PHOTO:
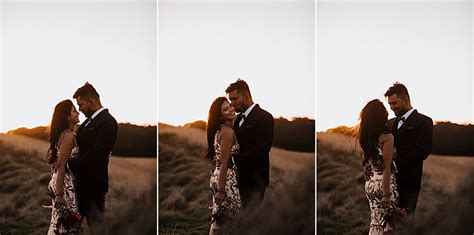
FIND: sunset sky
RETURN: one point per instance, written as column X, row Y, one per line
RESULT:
column 206, row 45
column 50, row 48
column 363, row 47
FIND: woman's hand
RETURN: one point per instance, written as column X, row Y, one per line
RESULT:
column 220, row 195
column 58, row 201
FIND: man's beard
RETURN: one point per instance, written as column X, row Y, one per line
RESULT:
column 241, row 109
column 402, row 112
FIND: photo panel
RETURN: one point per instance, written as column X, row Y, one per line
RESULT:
column 236, row 95
column 395, row 116
column 78, row 126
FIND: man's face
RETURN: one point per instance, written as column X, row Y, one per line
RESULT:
column 398, row 104
column 238, row 101
column 85, row 106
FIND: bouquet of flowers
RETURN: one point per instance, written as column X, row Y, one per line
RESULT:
column 68, row 220
column 395, row 217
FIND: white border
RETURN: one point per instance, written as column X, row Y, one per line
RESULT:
column 157, row 116
column 472, row 62
column 315, row 116
column 1, row 65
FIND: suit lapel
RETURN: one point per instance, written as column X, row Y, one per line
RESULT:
column 251, row 115
column 97, row 118
column 409, row 121
column 80, row 130
column 236, row 123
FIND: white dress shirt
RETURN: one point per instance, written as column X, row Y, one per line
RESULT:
column 246, row 114
column 95, row 115
column 405, row 117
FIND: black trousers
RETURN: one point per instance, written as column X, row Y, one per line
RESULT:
column 251, row 195
column 408, row 198
column 92, row 206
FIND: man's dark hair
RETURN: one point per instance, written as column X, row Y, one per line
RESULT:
column 399, row 89
column 87, row 91
column 240, row 85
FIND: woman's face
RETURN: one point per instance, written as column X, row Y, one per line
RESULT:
column 73, row 116
column 228, row 111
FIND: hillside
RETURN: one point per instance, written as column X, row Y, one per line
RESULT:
column 446, row 195
column 184, row 195
column 24, row 173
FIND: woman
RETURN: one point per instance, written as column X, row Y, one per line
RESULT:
column 65, row 217
column 378, row 149
column 222, row 147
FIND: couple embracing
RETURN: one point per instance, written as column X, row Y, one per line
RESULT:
column 79, row 157
column 393, row 154
column 238, row 149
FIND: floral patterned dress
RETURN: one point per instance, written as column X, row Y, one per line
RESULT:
column 231, row 204
column 66, row 219
column 380, row 216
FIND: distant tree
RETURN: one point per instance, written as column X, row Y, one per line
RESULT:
column 37, row 132
column 297, row 134
column 453, row 139
column 200, row 124
column 343, row 130
column 136, row 141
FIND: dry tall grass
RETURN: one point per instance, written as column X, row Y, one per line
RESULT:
column 446, row 193
column 24, row 173
column 184, row 193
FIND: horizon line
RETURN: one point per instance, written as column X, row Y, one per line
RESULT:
column 292, row 118
column 466, row 123
column 126, row 122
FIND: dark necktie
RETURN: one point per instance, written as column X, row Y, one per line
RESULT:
column 398, row 121
column 240, row 118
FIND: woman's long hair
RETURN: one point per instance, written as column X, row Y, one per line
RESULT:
column 373, row 119
column 59, row 123
column 214, row 122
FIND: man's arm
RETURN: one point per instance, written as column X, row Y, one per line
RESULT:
column 256, row 156
column 104, row 143
column 423, row 142
column 263, row 138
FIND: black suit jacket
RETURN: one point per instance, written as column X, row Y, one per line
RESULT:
column 95, row 141
column 255, row 138
column 413, row 143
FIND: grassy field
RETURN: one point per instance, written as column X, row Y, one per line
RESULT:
column 184, row 193
column 445, row 204
column 24, row 175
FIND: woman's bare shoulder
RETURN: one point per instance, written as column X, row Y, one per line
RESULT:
column 386, row 137
column 226, row 129
column 67, row 137
column 226, row 132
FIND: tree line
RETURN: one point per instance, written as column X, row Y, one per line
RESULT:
column 448, row 138
column 132, row 140
column 295, row 135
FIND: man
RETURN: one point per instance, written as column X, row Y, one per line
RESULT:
column 96, row 138
column 413, row 134
column 254, row 130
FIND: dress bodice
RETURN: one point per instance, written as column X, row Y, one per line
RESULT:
column 74, row 154
column 375, row 164
column 234, row 150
